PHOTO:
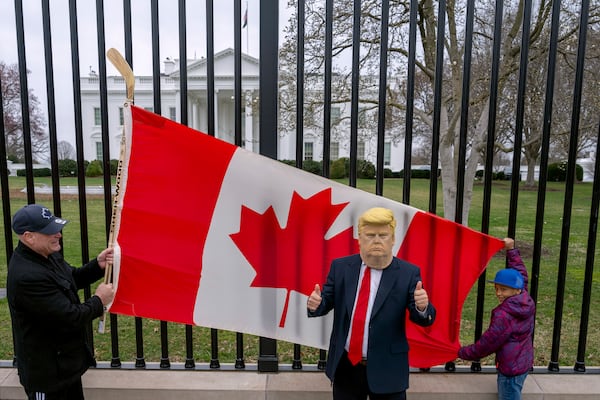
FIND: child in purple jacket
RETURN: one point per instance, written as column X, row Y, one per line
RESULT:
column 510, row 334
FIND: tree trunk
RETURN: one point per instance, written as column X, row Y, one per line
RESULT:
column 530, row 182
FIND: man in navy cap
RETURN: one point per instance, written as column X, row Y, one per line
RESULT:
column 49, row 320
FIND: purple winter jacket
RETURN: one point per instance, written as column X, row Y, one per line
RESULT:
column 511, row 328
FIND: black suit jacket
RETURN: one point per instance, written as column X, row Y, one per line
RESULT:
column 49, row 320
column 387, row 357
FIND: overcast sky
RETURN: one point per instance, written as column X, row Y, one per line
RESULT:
column 113, row 25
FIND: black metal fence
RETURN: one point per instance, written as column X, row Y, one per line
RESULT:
column 416, row 13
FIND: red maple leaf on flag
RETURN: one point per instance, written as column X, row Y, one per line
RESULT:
column 297, row 256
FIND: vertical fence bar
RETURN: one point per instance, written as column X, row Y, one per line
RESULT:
column 164, row 341
column 519, row 118
column 354, row 90
column 140, row 362
column 189, row 348
column 297, row 361
column 544, row 154
column 156, row 56
column 566, row 221
column 382, row 106
column 127, row 32
column 410, row 100
column 589, row 265
column 327, row 82
column 6, row 214
column 214, row 349
column 300, row 91
column 104, row 114
column 164, row 346
column 464, row 112
column 114, row 324
column 50, row 95
column 79, row 132
column 268, row 70
column 210, row 101
column 239, row 349
column 210, row 67
column 237, row 74
column 79, row 143
column 327, row 76
column 183, row 88
column 26, row 125
column 464, row 118
column 489, row 158
column 437, row 106
column 183, row 72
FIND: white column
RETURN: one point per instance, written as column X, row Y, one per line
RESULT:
column 249, row 140
column 217, row 113
column 178, row 105
column 195, row 122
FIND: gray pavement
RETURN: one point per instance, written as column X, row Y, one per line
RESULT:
column 150, row 384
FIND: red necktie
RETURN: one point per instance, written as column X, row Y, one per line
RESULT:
column 360, row 316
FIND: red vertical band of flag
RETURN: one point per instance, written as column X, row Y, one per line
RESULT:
column 165, row 214
column 451, row 258
column 210, row 234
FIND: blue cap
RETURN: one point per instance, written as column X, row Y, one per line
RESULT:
column 509, row 277
column 37, row 218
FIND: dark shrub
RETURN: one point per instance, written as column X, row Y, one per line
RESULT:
column 557, row 172
column 36, row 172
column 338, row 169
column 114, row 165
column 365, row 169
column 67, row 167
column 312, row 166
column 94, row 168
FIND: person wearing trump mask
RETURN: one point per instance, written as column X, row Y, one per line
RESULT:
column 370, row 294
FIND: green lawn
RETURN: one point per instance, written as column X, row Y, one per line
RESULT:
column 392, row 189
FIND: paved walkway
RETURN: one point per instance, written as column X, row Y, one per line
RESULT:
column 181, row 384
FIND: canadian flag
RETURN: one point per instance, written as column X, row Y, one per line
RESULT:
column 213, row 235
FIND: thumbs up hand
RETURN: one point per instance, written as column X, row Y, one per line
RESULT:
column 421, row 298
column 315, row 298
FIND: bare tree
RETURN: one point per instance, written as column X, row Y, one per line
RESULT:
column 590, row 102
column 65, row 150
column 13, row 127
column 425, row 64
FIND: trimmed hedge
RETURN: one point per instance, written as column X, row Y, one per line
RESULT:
column 37, row 172
column 418, row 173
column 339, row 168
column 67, row 167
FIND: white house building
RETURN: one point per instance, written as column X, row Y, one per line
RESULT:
column 224, row 111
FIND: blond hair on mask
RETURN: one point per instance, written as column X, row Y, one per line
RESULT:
column 377, row 216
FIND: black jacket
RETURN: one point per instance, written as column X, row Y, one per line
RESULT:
column 49, row 321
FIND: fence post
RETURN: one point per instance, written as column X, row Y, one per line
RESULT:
column 269, row 62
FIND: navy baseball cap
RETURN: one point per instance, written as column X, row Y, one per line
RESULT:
column 509, row 277
column 37, row 218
